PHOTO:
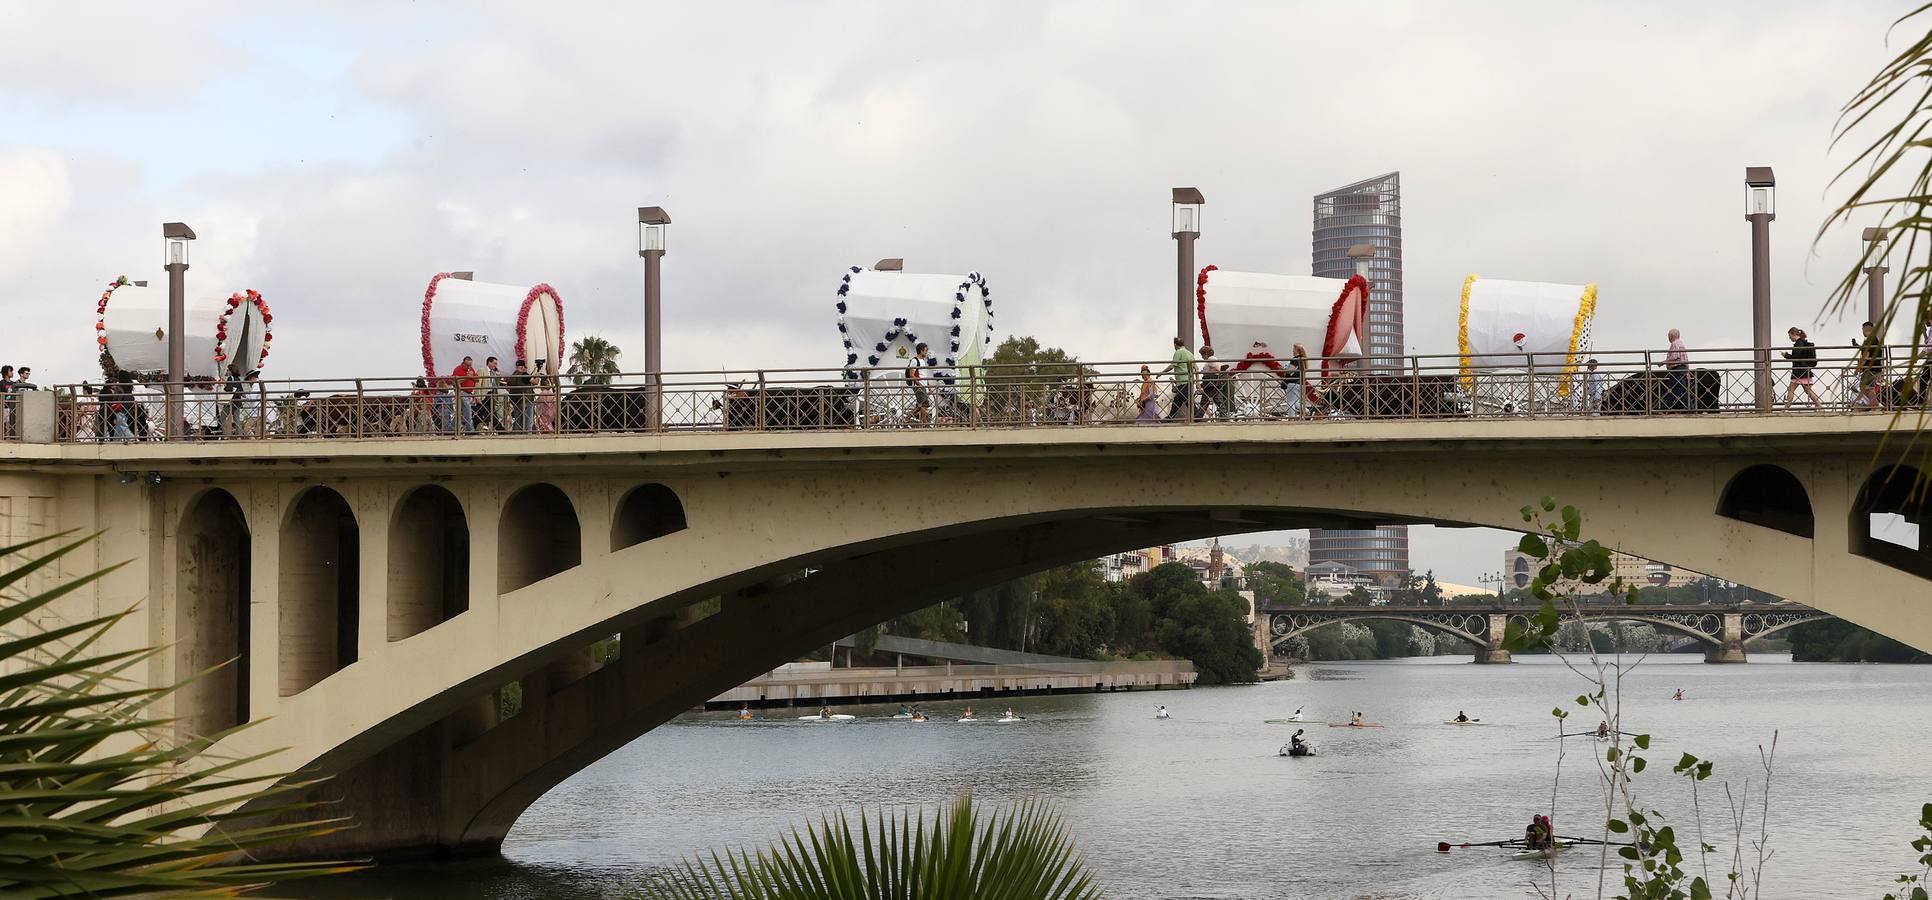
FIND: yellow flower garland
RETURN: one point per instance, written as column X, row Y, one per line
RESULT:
column 1462, row 334
column 1586, row 310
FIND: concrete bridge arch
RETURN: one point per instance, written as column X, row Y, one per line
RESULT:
column 886, row 522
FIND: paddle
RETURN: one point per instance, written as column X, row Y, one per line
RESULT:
column 1444, row 846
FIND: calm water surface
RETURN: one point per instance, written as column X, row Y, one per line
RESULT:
column 1200, row 806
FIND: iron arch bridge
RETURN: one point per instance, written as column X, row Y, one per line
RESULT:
column 1483, row 626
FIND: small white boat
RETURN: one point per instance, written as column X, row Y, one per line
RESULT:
column 1006, row 719
column 1463, row 722
column 902, row 715
column 835, row 717
column 967, row 720
column 1549, row 852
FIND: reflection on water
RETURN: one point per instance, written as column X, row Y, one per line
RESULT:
column 1200, row 805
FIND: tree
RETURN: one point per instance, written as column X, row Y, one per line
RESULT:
column 1276, row 585
column 1210, row 629
column 593, row 360
column 1019, row 372
column 1359, row 596
column 100, row 802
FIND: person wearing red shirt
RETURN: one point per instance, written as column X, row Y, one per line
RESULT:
column 464, row 377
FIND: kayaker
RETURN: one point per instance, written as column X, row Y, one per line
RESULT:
column 1462, row 716
column 1603, row 729
column 1296, row 747
column 1679, row 695
column 824, row 712
column 1357, row 720
column 1160, row 712
column 967, row 714
column 744, row 711
column 1010, row 714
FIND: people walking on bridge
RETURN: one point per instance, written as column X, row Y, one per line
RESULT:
column 520, row 390
column 1217, row 387
column 916, row 380
column 463, row 380
column 496, row 397
column 1294, row 381
column 1804, row 362
column 1592, row 388
column 1870, row 362
column 1182, row 366
column 1677, row 373
column 545, row 383
column 1147, row 401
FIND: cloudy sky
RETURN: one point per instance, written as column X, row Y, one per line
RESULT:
column 336, row 158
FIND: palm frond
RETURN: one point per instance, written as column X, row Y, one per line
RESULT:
column 1019, row 852
column 94, row 800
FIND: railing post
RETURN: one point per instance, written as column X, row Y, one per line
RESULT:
column 1650, row 387
column 261, row 410
column 1415, row 387
column 1529, row 365
column 1079, row 413
column 865, row 396
column 762, row 421
column 358, row 429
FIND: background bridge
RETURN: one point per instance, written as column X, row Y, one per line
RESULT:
column 1723, row 630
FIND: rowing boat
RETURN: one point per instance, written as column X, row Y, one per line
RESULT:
column 1353, row 725
column 1463, row 722
column 835, row 717
column 1549, row 852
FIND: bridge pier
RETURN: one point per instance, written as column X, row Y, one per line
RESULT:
column 1730, row 644
column 1492, row 652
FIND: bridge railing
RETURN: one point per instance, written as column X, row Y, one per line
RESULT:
column 1248, row 389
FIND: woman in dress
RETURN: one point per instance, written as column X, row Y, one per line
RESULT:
column 1149, row 404
column 1804, row 362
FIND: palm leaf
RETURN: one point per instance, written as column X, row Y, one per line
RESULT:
column 1019, row 852
column 84, row 811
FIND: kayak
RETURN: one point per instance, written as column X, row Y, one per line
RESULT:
column 835, row 717
column 1005, row 720
column 1287, row 722
column 1290, row 751
column 1467, row 722
column 902, row 715
column 967, row 720
column 1353, row 725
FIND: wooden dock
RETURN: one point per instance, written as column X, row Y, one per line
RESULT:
column 820, row 684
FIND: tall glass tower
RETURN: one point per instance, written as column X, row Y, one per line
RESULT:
column 1366, row 212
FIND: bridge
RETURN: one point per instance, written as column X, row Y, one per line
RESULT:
column 1723, row 630
column 374, row 591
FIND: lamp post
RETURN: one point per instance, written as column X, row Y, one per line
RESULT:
column 651, row 221
column 1359, row 255
column 175, row 237
column 1759, row 210
column 1875, row 278
column 1187, row 227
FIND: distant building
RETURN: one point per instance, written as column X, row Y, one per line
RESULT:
column 1332, row 581
column 1519, row 569
column 1366, row 212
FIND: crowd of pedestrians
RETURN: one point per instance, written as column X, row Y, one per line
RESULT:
column 488, row 401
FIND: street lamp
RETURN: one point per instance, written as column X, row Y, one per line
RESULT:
column 1187, row 227
column 651, row 222
column 175, row 238
column 1875, row 278
column 1759, row 210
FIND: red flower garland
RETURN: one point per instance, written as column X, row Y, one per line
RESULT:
column 100, row 311
column 523, row 323
column 1200, row 302
column 252, row 297
column 1331, row 343
column 429, row 297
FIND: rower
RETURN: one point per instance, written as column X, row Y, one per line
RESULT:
column 824, row 712
column 744, row 711
column 1160, row 712
column 1462, row 716
column 967, row 714
column 1679, row 695
column 1538, row 835
column 1603, row 729
column 1357, row 720
column 1010, row 714
column 1295, row 743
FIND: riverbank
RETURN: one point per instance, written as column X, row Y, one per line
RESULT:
column 821, row 684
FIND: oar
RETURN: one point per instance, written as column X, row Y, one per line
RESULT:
column 1444, row 846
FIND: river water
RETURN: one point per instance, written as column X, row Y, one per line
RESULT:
column 1200, row 805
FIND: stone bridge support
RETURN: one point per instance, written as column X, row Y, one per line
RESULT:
column 1492, row 652
column 1730, row 641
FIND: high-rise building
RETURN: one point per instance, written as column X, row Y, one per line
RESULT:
column 1366, row 212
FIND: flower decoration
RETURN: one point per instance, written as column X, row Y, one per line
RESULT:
column 252, row 298
column 100, row 311
column 1200, row 302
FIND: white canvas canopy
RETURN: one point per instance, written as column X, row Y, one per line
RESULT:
column 1525, row 320
column 480, row 320
column 884, row 315
column 1324, row 315
column 137, row 332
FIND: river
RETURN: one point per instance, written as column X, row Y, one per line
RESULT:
column 1200, row 805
